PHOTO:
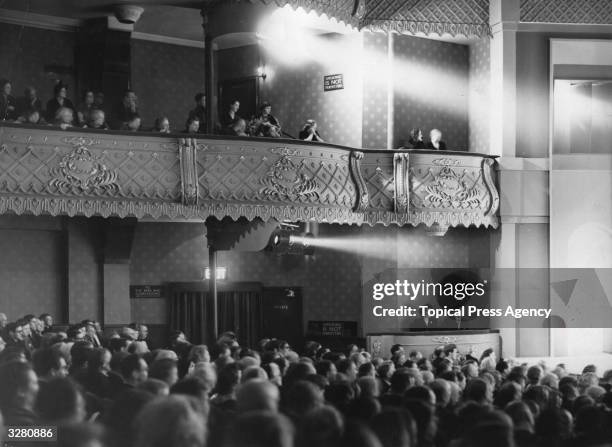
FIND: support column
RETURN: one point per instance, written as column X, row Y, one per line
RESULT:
column 504, row 17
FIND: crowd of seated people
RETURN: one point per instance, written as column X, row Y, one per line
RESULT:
column 117, row 390
column 93, row 113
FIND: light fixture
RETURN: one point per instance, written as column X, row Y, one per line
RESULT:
column 291, row 242
column 221, row 273
column 261, row 72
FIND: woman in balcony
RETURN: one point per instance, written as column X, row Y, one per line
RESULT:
column 59, row 101
column 192, row 125
column 435, row 141
column 265, row 124
column 97, row 120
column 8, row 104
column 415, row 141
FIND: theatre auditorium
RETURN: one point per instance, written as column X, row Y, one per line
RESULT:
column 296, row 223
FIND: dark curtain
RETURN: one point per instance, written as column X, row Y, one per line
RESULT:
column 239, row 312
column 190, row 312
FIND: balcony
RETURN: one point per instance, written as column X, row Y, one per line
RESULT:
column 47, row 171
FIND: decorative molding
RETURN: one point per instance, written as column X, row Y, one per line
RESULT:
column 168, row 40
column 80, row 172
column 287, row 181
column 42, row 21
column 566, row 11
column 402, row 182
column 487, row 165
column 189, row 170
column 363, row 198
column 467, row 18
column 55, row 172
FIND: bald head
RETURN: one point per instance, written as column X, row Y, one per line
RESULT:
column 257, row 394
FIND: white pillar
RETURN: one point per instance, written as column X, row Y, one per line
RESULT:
column 503, row 18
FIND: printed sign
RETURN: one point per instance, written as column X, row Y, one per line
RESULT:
column 146, row 291
column 333, row 82
column 332, row 328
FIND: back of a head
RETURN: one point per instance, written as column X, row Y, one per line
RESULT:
column 257, row 395
column 477, row 390
column 424, row 416
column 495, row 429
column 394, row 427
column 554, row 423
column 261, row 429
column 120, row 418
column 164, row 369
column 339, row 394
column 14, row 381
column 442, row 390
column 300, row 398
column 401, row 380
column 173, row 421
column 322, row 427
column 60, row 401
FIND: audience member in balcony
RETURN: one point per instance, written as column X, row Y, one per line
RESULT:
column 435, row 141
column 229, row 118
column 85, row 107
column 125, row 111
column 59, row 101
column 238, row 129
column 200, row 109
column 162, row 125
column 415, row 141
column 30, row 101
column 97, row 120
column 64, row 118
column 265, row 124
column 192, row 125
column 31, row 116
column 99, row 101
column 8, row 104
column 310, row 133
column 132, row 123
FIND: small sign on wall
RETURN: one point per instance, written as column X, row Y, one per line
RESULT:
column 333, row 82
column 147, row 292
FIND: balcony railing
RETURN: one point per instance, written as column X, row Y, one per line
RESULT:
column 44, row 170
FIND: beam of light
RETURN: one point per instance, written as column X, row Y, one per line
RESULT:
column 375, row 247
column 295, row 37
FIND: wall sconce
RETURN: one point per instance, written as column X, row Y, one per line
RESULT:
column 261, row 72
column 221, row 273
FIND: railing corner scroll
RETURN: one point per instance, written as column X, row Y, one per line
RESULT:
column 402, row 183
column 188, row 148
column 487, row 167
column 363, row 197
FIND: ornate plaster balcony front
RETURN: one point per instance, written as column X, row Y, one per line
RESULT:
column 44, row 170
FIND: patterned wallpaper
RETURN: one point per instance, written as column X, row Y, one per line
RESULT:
column 25, row 51
column 85, row 286
column 295, row 88
column 178, row 252
column 479, row 96
column 431, row 89
column 374, row 125
column 166, row 78
column 332, row 281
column 32, row 272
